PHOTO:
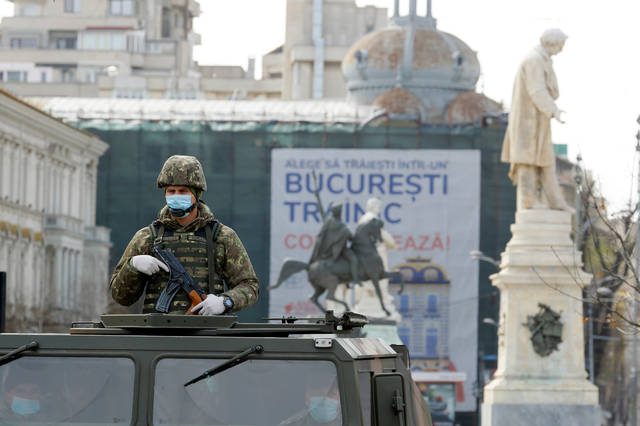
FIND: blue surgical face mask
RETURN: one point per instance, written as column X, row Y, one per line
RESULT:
column 179, row 205
column 24, row 406
column 323, row 409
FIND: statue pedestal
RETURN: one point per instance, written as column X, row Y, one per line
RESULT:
column 540, row 265
column 369, row 304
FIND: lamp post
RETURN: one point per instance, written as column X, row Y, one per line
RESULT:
column 478, row 255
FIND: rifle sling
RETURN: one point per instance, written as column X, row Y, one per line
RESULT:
column 211, row 233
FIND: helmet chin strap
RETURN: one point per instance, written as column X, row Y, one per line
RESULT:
column 182, row 212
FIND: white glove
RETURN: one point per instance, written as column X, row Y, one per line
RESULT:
column 147, row 264
column 212, row 305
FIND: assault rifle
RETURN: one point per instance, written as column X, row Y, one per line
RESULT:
column 179, row 278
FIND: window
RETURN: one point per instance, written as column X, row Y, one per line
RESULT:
column 13, row 75
column 90, row 76
column 121, row 7
column 432, row 343
column 63, row 39
column 364, row 384
column 71, row 6
column 30, row 10
column 1, row 75
column 166, row 22
column 67, row 75
column 24, row 43
column 103, row 40
column 432, row 304
column 276, row 391
column 43, row 77
column 71, row 390
column 65, row 43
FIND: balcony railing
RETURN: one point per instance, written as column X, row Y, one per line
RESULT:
column 160, row 46
column 98, row 234
column 63, row 223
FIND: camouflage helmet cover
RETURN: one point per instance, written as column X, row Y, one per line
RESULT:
column 183, row 170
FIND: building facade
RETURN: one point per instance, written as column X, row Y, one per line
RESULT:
column 101, row 48
column 55, row 257
column 318, row 36
column 144, row 49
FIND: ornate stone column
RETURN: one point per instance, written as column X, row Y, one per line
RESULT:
column 541, row 377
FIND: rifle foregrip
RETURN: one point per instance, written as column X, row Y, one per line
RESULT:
column 195, row 299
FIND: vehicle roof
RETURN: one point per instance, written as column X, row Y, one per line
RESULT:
column 201, row 335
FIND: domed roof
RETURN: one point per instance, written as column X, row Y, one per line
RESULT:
column 401, row 102
column 436, row 60
column 471, row 107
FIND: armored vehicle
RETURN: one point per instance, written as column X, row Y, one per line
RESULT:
column 158, row 369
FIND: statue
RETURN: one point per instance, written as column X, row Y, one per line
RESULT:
column 527, row 142
column 331, row 242
column 365, row 295
column 333, row 263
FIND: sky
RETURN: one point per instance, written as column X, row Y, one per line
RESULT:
column 598, row 70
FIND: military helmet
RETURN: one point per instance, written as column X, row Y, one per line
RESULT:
column 183, row 170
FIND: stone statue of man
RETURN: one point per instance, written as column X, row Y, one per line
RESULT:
column 527, row 142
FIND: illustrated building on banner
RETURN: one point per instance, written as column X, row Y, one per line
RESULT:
column 424, row 306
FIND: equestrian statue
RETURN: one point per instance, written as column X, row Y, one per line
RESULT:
column 334, row 261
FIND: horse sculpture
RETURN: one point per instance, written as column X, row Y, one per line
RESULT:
column 325, row 275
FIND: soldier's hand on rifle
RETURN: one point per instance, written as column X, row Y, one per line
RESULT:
column 212, row 305
column 148, row 264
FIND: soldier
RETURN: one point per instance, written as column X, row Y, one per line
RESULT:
column 322, row 402
column 331, row 243
column 209, row 251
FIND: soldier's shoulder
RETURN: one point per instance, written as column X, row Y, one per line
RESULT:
column 142, row 236
column 142, row 233
column 226, row 232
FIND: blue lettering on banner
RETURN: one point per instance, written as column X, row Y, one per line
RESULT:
column 393, row 183
column 387, row 214
column 292, row 205
column 292, row 183
column 311, row 209
column 350, row 189
column 330, row 183
column 376, row 180
column 372, row 184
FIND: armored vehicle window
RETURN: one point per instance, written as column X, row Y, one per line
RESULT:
column 67, row 390
column 257, row 392
column 364, row 382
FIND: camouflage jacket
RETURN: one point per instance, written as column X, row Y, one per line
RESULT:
column 231, row 259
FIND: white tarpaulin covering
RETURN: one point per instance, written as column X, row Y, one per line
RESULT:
column 324, row 111
column 431, row 207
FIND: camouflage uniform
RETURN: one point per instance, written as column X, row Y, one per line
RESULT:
column 232, row 263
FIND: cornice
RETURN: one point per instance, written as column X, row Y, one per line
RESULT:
column 16, row 113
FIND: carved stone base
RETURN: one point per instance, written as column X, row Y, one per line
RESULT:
column 540, row 415
column 540, row 265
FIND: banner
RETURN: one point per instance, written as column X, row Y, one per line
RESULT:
column 431, row 207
